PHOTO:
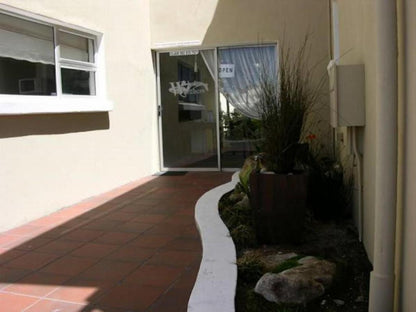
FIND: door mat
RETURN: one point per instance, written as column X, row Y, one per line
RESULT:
column 171, row 173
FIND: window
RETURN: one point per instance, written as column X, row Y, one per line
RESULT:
column 27, row 61
column 30, row 52
column 41, row 58
column 77, row 64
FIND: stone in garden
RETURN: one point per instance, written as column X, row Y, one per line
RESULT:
column 297, row 285
column 339, row 302
column 360, row 299
column 272, row 261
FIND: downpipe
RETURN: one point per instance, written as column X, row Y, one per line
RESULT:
column 382, row 277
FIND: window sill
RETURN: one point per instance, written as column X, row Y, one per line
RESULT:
column 25, row 104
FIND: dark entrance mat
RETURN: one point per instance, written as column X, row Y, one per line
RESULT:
column 171, row 173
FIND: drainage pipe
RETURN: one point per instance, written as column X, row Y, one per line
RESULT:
column 358, row 162
column 382, row 277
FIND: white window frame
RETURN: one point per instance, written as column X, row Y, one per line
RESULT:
column 11, row 104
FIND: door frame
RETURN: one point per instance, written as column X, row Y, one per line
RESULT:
column 217, row 100
column 160, row 112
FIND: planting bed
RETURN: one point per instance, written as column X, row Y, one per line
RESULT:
column 333, row 241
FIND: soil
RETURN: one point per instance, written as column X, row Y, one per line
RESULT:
column 336, row 241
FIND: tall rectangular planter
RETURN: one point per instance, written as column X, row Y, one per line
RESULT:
column 279, row 203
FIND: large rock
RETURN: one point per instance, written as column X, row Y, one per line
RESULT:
column 297, row 285
column 273, row 261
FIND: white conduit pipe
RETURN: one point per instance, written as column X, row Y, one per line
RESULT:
column 382, row 277
column 359, row 182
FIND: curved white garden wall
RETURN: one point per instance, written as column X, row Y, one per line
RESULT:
column 216, row 283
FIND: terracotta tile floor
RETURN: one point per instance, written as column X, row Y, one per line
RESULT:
column 133, row 249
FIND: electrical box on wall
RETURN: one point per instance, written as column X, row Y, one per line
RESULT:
column 346, row 92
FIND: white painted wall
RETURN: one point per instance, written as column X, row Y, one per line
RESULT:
column 51, row 161
column 246, row 22
column 357, row 46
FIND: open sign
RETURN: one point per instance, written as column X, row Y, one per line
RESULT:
column 226, row 71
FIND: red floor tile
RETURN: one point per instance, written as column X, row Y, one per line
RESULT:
column 151, row 241
column 69, row 265
column 179, row 220
column 59, row 247
column 154, row 275
column 82, row 235
column 188, row 277
column 175, row 300
column 36, row 284
column 134, row 227
column 137, row 252
column 108, row 270
column 15, row 303
column 55, row 306
column 116, row 238
column 102, row 225
column 5, row 238
column 10, row 241
column 31, row 261
column 33, row 244
column 135, row 298
column 120, row 216
column 167, row 229
column 55, row 232
column 93, row 250
column 131, row 253
column 184, row 244
column 174, row 258
column 24, row 230
column 9, row 254
column 10, row 275
column 81, row 291
column 150, row 218
column 50, row 220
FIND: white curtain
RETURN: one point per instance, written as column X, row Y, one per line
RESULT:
column 33, row 42
column 209, row 58
column 27, row 41
column 242, row 87
column 75, row 47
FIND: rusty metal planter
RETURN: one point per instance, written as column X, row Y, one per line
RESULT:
column 279, row 202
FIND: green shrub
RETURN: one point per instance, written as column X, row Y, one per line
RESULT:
column 329, row 194
column 250, row 268
column 244, row 236
column 288, row 264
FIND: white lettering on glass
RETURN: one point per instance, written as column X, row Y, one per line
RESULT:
column 182, row 53
column 183, row 88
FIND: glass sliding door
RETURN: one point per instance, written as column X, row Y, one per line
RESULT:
column 188, row 109
column 241, row 70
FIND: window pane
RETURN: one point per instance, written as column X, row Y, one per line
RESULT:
column 75, row 47
column 241, row 73
column 27, row 64
column 78, row 82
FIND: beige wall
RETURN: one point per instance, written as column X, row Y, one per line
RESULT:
column 408, row 230
column 51, row 161
column 357, row 46
column 239, row 22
